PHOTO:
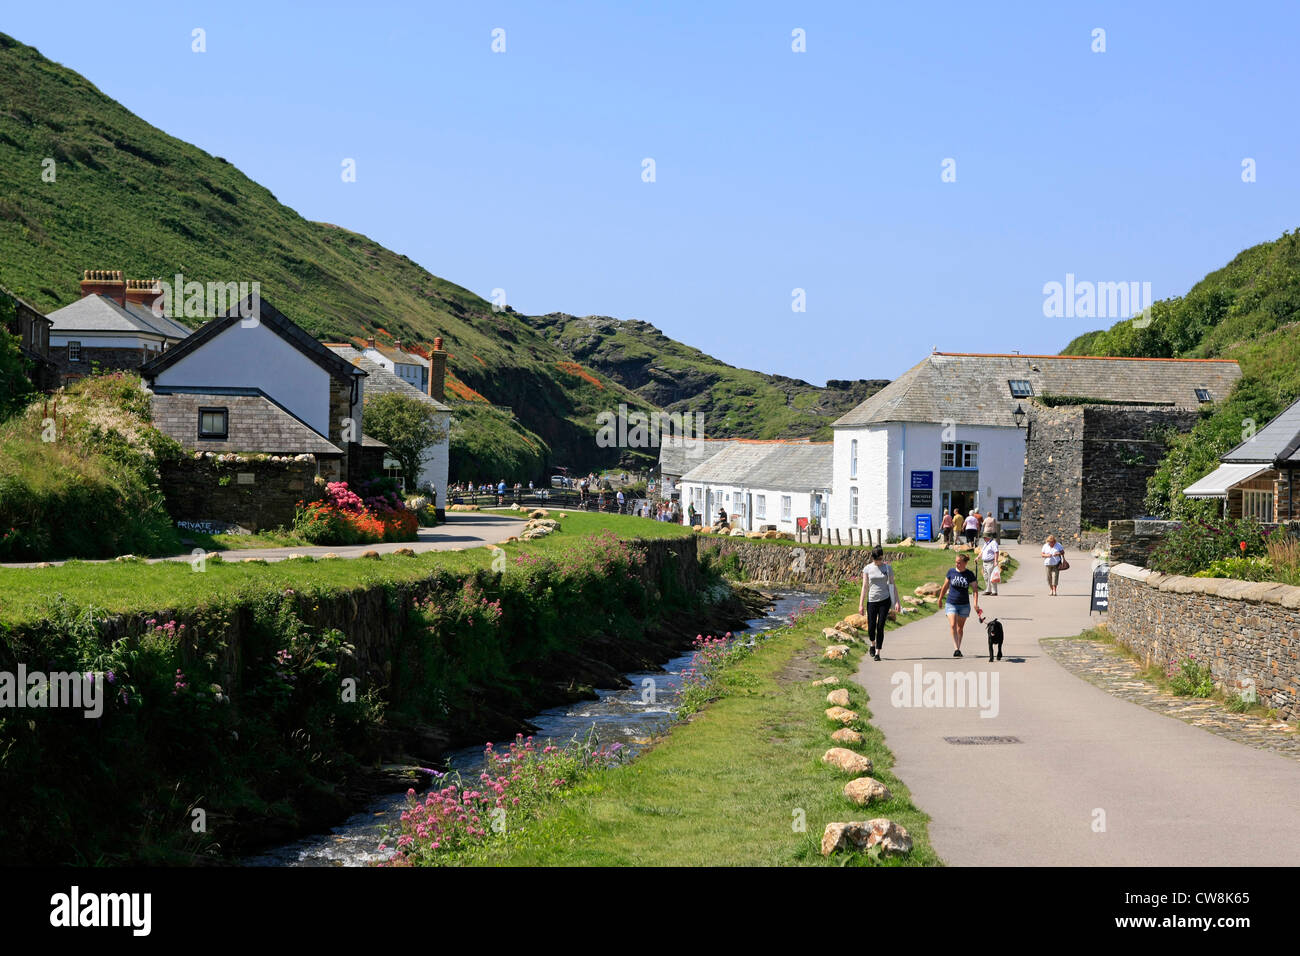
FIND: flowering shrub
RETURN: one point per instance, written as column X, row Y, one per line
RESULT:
column 513, row 782
column 344, row 517
column 1194, row 545
column 700, row 680
column 1190, row 677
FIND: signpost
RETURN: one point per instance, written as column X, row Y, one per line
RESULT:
column 1100, row 589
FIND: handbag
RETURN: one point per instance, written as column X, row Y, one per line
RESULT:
column 1064, row 565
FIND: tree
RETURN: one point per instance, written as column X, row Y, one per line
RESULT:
column 408, row 426
column 15, row 386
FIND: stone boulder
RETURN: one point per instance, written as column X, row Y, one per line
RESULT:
column 864, row 835
column 840, row 698
column 841, row 714
column 865, row 789
column 837, row 651
column 737, row 532
column 929, row 589
column 772, row 535
column 846, row 735
column 370, row 554
column 907, row 543
column 405, row 552
column 826, row 681
column 855, row 621
column 844, row 759
column 539, row 513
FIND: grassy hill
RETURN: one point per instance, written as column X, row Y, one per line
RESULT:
column 1249, row 311
column 732, row 402
column 128, row 196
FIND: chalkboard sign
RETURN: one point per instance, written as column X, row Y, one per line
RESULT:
column 1100, row 588
column 922, row 499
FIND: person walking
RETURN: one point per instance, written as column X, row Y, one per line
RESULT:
column 1053, row 558
column 959, row 587
column 992, row 527
column 972, row 527
column 958, row 526
column 879, row 594
column 693, row 515
column 989, row 557
column 945, row 528
column 620, row 500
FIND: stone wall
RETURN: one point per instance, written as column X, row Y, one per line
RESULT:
column 1248, row 632
column 1088, row 464
column 252, row 494
column 1131, row 542
column 789, row 564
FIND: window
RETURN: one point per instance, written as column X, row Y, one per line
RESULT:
column 1008, row 509
column 853, row 458
column 1020, row 388
column 1203, row 395
column 74, row 351
column 760, row 506
column 960, row 454
column 214, row 423
column 393, row 469
column 785, row 507
column 1257, row 505
column 853, row 506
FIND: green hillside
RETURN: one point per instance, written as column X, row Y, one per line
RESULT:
column 1249, row 311
column 128, row 196
column 733, row 402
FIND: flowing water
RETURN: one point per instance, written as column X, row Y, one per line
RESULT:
column 631, row 715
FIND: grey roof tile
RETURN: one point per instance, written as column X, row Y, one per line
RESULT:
column 255, row 423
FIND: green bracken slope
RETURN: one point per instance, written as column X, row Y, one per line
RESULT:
column 1249, row 311
column 128, row 196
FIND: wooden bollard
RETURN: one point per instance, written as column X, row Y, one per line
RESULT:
column 837, row 536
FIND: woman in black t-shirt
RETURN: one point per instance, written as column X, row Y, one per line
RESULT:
column 960, row 586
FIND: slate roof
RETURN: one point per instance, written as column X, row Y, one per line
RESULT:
column 972, row 389
column 401, row 358
column 777, row 465
column 269, row 316
column 99, row 313
column 255, row 423
column 678, row 456
column 380, row 379
column 1276, row 442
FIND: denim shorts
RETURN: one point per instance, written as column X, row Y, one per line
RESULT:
column 961, row 610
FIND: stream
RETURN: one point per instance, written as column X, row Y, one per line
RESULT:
column 621, row 716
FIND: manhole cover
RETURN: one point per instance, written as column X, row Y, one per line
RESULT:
column 983, row 740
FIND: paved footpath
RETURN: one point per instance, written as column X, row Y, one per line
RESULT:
column 463, row 529
column 1171, row 793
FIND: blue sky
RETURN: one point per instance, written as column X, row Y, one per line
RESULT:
column 775, row 170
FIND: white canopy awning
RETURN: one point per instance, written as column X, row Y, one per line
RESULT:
column 1217, row 482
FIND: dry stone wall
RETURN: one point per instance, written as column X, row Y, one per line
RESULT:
column 1248, row 632
column 789, row 565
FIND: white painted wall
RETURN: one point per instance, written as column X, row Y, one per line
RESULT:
column 889, row 453
column 255, row 357
column 434, row 469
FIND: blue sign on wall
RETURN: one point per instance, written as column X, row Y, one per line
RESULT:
column 922, row 479
column 922, row 527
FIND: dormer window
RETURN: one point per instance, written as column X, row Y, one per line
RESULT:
column 1020, row 388
column 1203, row 395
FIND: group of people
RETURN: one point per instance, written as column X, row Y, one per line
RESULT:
column 955, row 525
column 959, row 592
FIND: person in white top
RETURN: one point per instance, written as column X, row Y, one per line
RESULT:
column 989, row 555
column 1053, row 555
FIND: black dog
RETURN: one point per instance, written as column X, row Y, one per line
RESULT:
column 995, row 637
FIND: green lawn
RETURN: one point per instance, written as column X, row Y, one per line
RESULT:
column 727, row 787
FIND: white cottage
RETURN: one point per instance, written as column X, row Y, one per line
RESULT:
column 950, row 432
column 784, row 484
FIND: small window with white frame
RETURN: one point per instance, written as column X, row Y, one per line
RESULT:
column 853, row 458
column 760, row 506
column 74, row 351
column 853, row 506
column 785, row 507
column 959, row 454
column 1203, row 395
column 1021, row 388
column 1257, row 504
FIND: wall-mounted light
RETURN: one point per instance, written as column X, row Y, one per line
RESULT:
column 1019, row 416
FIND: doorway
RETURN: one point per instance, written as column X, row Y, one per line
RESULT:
column 962, row 501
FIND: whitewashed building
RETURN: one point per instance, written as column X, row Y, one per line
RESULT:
column 411, row 368
column 785, row 485
column 951, row 431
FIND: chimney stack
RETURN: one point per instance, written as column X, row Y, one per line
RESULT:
column 437, row 370
column 370, row 342
column 143, row 291
column 106, row 282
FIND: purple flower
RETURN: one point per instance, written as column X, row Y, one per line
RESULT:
column 111, row 677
